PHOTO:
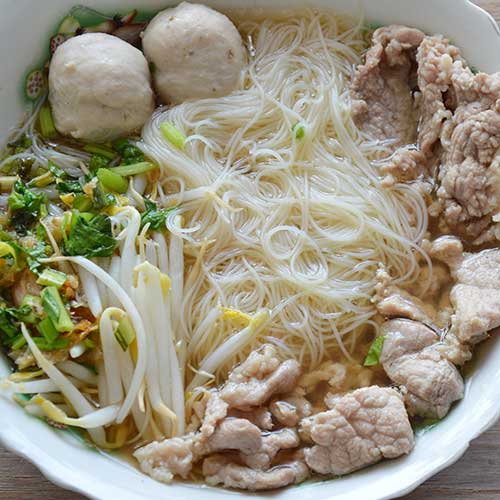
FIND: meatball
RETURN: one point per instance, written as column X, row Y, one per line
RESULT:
column 197, row 52
column 99, row 88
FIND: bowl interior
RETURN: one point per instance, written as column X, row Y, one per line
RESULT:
column 63, row 457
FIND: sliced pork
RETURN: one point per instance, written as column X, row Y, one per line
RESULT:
column 410, row 357
column 381, row 90
column 362, row 428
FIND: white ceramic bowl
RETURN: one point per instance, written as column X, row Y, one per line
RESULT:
column 24, row 26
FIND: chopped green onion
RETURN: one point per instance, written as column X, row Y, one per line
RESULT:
column 134, row 169
column 43, row 345
column 299, row 130
column 375, row 351
column 7, row 250
column 48, row 330
column 88, row 343
column 99, row 149
column 42, row 180
column 173, row 134
column 36, row 310
column 51, row 277
column 125, row 333
column 7, row 182
column 97, row 162
column 112, row 181
column 54, row 307
column 82, row 203
column 18, row 342
column 47, row 126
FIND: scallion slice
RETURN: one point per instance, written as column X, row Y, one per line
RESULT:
column 47, row 126
column 54, row 307
column 134, row 169
column 99, row 149
column 173, row 134
column 112, row 181
column 125, row 333
column 51, row 277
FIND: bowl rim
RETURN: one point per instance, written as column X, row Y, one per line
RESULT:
column 69, row 478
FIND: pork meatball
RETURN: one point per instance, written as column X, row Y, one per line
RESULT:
column 197, row 52
column 99, row 88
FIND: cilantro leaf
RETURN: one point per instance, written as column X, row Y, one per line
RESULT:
column 154, row 216
column 90, row 238
column 25, row 206
column 9, row 316
column 373, row 356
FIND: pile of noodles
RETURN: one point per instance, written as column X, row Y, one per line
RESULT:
column 279, row 229
column 296, row 225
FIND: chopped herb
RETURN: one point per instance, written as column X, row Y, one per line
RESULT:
column 299, row 130
column 82, row 203
column 18, row 342
column 32, row 255
column 35, row 308
column 65, row 187
column 52, row 277
column 373, row 356
column 48, row 330
column 54, row 307
column 154, row 216
column 101, row 199
column 26, row 207
column 56, row 171
column 125, row 333
column 9, row 317
column 130, row 154
column 90, row 237
column 47, row 126
column 43, row 345
column 97, row 162
column 112, row 181
column 100, row 150
column 173, row 134
column 134, row 168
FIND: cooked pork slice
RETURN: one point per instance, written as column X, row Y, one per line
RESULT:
column 394, row 302
column 435, row 58
column 261, row 417
column 381, row 90
column 234, row 434
column 476, row 296
column 480, row 269
column 258, row 378
column 220, row 469
column 412, row 360
column 362, row 428
column 215, row 411
column 405, row 165
column 477, row 311
column 169, row 458
column 446, row 249
column 289, row 410
column 272, row 444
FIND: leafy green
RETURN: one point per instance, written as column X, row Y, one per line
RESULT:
column 90, row 237
column 26, row 207
column 65, row 187
column 97, row 162
column 102, row 199
column 33, row 255
column 130, row 154
column 9, row 316
column 299, row 130
column 373, row 356
column 154, row 216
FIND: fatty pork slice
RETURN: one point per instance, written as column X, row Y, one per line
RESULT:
column 381, row 90
column 413, row 359
column 361, row 428
column 476, row 296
